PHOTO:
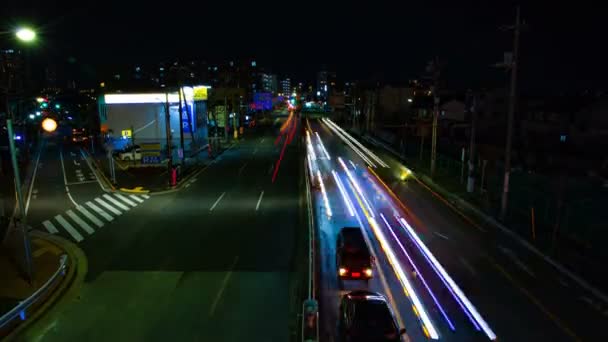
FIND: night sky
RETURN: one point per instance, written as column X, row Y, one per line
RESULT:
column 563, row 47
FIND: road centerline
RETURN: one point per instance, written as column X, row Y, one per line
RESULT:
column 217, row 201
column 223, row 287
column 257, row 206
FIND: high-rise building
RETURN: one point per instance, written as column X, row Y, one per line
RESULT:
column 12, row 72
column 286, row 86
column 269, row 83
column 326, row 81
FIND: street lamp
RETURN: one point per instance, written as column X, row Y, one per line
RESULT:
column 25, row 34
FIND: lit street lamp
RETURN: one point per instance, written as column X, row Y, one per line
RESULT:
column 25, row 34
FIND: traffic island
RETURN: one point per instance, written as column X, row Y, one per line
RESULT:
column 57, row 264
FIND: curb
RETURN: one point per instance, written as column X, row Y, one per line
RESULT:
column 77, row 269
column 136, row 190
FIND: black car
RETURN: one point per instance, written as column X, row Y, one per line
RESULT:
column 366, row 316
column 353, row 258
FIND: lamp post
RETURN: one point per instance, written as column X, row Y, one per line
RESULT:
column 25, row 35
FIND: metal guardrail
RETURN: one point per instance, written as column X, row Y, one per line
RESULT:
column 20, row 309
column 310, row 307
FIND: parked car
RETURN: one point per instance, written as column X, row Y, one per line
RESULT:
column 132, row 152
column 366, row 316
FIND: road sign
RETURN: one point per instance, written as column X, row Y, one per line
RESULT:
column 145, row 159
column 200, row 93
column 220, row 116
column 126, row 133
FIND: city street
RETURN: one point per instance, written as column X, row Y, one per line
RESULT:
column 211, row 262
column 514, row 294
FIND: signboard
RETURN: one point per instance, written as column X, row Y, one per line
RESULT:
column 150, row 153
column 126, row 133
column 188, row 110
column 262, row 101
column 220, row 116
column 200, row 93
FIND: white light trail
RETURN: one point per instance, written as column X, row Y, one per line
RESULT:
column 470, row 307
column 325, row 199
column 365, row 149
column 357, row 187
column 345, row 196
column 367, row 160
column 322, row 146
column 311, row 150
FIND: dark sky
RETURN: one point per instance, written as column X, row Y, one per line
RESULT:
column 563, row 46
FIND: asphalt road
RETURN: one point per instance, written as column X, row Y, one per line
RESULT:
column 518, row 294
column 212, row 262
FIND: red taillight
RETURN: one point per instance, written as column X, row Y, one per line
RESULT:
column 356, row 274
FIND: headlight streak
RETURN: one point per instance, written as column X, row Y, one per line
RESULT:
column 445, row 316
column 353, row 164
column 365, row 149
column 417, row 307
column 325, row 199
column 357, row 187
column 367, row 160
column 311, row 150
column 477, row 320
column 349, row 204
column 322, row 146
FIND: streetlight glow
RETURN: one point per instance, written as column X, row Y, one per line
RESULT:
column 49, row 125
column 25, row 34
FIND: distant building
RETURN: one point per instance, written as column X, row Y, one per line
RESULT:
column 326, row 84
column 12, row 73
column 286, row 86
column 269, row 83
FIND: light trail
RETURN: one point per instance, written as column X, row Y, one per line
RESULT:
column 356, row 185
column 365, row 149
column 325, row 199
column 367, row 160
column 322, row 146
column 470, row 308
column 443, row 313
column 345, row 196
column 408, row 289
column 311, row 150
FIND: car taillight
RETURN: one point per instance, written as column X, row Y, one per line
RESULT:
column 342, row 271
column 368, row 272
column 356, row 274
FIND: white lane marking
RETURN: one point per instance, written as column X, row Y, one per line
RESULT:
column 100, row 211
column 82, row 182
column 35, row 191
column 136, row 198
column 259, row 201
column 563, row 282
column 516, row 260
column 217, row 201
column 145, row 196
column 79, row 171
column 223, row 287
column 90, row 216
column 468, row 266
column 75, row 162
column 72, row 154
column 242, row 168
column 80, row 222
column 262, row 140
column 441, row 235
column 116, row 202
column 65, row 179
column 50, row 227
column 126, row 200
column 109, row 207
column 69, row 228
column 188, row 185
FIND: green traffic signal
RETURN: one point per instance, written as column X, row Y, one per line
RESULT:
column 57, row 106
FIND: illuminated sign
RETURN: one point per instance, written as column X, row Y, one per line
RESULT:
column 200, row 93
column 126, row 133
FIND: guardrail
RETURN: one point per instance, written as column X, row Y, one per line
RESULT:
column 21, row 308
column 310, row 307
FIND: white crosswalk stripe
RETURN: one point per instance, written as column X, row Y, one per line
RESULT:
column 100, row 211
column 80, row 222
column 90, row 216
column 116, row 202
column 126, row 200
column 109, row 207
column 69, row 228
column 136, row 198
column 50, row 227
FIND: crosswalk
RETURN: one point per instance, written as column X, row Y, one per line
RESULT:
column 94, row 214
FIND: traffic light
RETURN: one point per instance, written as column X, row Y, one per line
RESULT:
column 57, row 106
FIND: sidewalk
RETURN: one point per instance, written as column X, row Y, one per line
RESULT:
column 151, row 178
column 46, row 254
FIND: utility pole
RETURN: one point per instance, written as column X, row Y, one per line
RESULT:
column 512, row 95
column 434, row 68
column 473, row 111
column 168, row 133
column 226, row 118
column 181, row 128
